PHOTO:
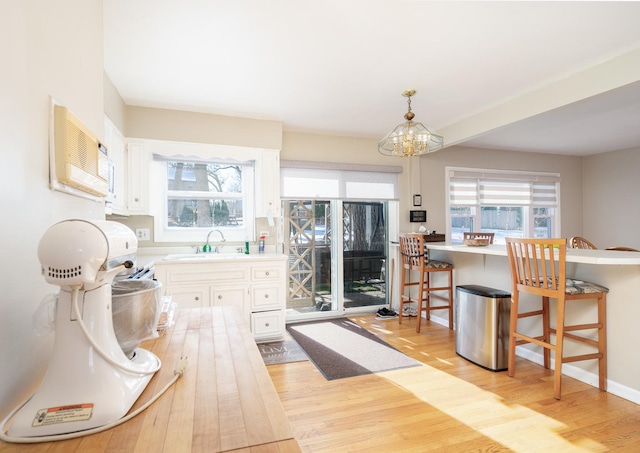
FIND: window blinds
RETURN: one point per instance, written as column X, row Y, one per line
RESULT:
column 320, row 181
column 469, row 187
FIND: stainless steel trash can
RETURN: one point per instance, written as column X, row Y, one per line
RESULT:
column 482, row 325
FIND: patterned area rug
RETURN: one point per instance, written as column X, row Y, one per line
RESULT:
column 340, row 348
column 281, row 352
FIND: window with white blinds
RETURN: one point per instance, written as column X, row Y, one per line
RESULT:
column 508, row 203
column 472, row 187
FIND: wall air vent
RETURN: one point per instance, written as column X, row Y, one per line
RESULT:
column 81, row 161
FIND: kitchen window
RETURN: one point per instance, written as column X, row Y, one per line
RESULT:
column 197, row 188
column 507, row 203
column 205, row 194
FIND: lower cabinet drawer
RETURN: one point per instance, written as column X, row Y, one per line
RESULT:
column 267, row 324
column 265, row 298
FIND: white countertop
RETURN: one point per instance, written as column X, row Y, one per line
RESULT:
column 610, row 257
column 219, row 257
column 148, row 256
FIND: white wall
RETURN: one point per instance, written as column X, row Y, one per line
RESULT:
column 611, row 187
column 114, row 106
column 181, row 126
column 48, row 48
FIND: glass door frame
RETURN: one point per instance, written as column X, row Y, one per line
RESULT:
column 337, row 264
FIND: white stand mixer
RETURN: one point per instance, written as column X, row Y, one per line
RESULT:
column 90, row 382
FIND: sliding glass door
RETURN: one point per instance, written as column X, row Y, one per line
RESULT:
column 337, row 256
column 364, row 254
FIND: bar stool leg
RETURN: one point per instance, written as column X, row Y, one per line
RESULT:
column 427, row 294
column 450, row 298
column 423, row 296
column 546, row 332
column 403, row 276
column 557, row 373
column 513, row 325
column 602, row 342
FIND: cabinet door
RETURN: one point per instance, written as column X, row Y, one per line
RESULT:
column 191, row 297
column 116, row 148
column 231, row 296
column 268, row 197
column 138, row 179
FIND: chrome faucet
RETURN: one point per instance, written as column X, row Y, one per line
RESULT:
column 207, row 247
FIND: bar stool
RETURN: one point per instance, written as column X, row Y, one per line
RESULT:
column 538, row 267
column 414, row 258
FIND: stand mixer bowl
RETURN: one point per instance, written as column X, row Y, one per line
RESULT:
column 136, row 310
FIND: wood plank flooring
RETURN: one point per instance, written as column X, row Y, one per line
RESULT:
column 449, row 405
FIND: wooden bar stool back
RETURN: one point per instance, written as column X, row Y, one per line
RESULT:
column 578, row 242
column 538, row 267
column 415, row 259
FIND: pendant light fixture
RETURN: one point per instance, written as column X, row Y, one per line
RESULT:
column 410, row 138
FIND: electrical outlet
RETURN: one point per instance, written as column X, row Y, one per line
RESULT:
column 264, row 233
column 143, row 234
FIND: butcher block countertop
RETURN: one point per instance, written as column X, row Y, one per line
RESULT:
column 225, row 400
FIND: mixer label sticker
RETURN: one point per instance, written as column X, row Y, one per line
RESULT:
column 63, row 414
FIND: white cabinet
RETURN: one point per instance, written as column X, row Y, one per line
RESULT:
column 133, row 170
column 255, row 284
column 139, row 166
column 116, row 148
column 237, row 296
column 191, row 297
column 268, row 184
column 266, row 324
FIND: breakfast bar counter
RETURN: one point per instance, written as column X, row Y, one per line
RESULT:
column 225, row 400
column 584, row 256
column 617, row 270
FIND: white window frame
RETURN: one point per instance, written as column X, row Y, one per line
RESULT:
column 541, row 190
column 189, row 152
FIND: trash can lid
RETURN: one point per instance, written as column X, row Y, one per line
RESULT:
column 483, row 291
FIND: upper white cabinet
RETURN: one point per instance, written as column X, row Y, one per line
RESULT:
column 116, row 147
column 133, row 165
column 138, row 179
column 268, row 184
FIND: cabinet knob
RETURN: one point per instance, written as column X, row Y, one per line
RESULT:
column 266, row 324
column 197, row 298
column 266, row 296
column 136, row 199
column 266, row 273
column 219, row 296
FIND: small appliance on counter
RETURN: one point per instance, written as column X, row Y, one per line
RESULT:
column 90, row 383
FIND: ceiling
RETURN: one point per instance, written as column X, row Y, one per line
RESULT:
column 552, row 77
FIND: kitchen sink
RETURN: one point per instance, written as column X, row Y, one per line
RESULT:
column 205, row 256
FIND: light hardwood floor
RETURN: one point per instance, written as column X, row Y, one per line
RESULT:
column 449, row 405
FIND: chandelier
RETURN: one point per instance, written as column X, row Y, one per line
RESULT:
column 410, row 138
